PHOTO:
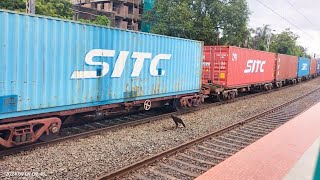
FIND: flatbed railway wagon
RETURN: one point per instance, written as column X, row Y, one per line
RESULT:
column 303, row 69
column 285, row 70
column 54, row 70
column 229, row 70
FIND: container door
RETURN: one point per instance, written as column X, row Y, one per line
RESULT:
column 206, row 66
column 219, row 65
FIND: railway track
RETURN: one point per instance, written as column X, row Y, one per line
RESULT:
column 193, row 158
column 94, row 128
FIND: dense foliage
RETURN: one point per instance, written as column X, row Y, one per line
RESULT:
column 13, row 5
column 260, row 38
column 53, row 8
column 211, row 21
column 99, row 20
column 218, row 22
column 284, row 43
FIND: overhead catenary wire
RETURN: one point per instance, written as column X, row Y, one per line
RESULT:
column 310, row 37
column 300, row 12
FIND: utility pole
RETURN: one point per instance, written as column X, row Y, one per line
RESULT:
column 268, row 42
column 31, row 6
column 269, row 39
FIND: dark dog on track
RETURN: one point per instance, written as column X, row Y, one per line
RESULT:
column 177, row 121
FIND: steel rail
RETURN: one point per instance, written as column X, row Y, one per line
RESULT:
column 145, row 162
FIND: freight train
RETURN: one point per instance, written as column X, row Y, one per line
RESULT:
column 56, row 71
column 228, row 71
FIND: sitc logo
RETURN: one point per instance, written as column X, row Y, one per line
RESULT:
column 255, row 66
column 104, row 67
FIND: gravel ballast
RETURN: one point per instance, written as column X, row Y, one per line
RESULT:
column 91, row 157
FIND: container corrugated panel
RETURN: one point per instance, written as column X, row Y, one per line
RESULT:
column 318, row 66
column 286, row 67
column 303, row 67
column 313, row 66
column 233, row 67
column 50, row 65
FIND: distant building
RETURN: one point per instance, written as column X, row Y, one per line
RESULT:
column 124, row 14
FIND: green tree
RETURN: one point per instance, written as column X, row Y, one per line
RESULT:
column 207, row 20
column 286, row 43
column 99, row 20
column 211, row 21
column 53, row 8
column 249, row 38
column 13, row 5
column 260, row 38
column 172, row 18
column 235, row 18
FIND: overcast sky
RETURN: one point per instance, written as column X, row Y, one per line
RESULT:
column 309, row 32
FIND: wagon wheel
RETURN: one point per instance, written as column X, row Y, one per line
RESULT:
column 233, row 95
column 177, row 105
column 50, row 134
column 189, row 103
column 45, row 138
column 197, row 101
column 220, row 98
column 147, row 105
column 212, row 99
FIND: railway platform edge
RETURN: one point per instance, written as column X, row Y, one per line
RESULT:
column 290, row 150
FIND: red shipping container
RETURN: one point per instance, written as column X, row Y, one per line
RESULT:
column 313, row 67
column 286, row 67
column 233, row 67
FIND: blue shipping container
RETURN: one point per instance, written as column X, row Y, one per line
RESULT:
column 303, row 67
column 318, row 66
column 49, row 65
